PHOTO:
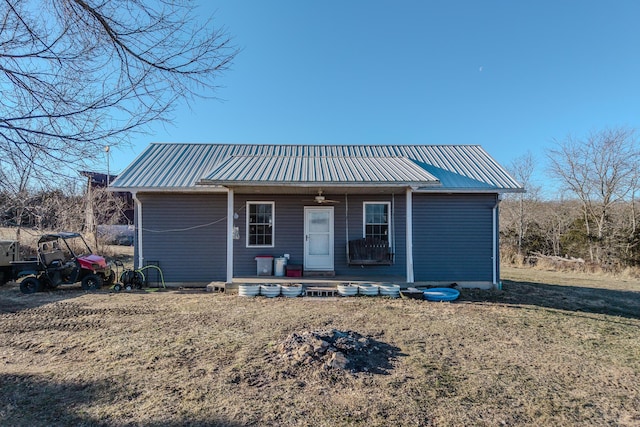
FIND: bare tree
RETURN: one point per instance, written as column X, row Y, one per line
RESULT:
column 556, row 219
column 16, row 173
column 106, row 208
column 522, row 168
column 600, row 170
column 78, row 74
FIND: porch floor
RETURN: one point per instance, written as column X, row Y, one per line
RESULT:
column 331, row 282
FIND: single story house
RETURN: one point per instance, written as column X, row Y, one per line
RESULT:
column 427, row 213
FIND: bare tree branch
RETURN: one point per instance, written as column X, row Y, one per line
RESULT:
column 76, row 75
column 600, row 170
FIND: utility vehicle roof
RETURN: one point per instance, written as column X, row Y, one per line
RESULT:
column 55, row 236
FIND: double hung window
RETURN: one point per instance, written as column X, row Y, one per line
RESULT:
column 260, row 217
column 376, row 220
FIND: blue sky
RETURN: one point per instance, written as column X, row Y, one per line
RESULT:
column 511, row 76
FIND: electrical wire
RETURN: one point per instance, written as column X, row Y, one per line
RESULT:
column 195, row 227
column 178, row 230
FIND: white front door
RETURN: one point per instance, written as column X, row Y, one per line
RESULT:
column 318, row 238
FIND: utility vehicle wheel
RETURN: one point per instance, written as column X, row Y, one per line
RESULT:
column 30, row 285
column 91, row 282
column 117, row 287
column 128, row 287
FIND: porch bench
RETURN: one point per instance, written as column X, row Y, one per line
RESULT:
column 370, row 251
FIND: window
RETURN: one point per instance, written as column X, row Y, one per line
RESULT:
column 260, row 224
column 376, row 220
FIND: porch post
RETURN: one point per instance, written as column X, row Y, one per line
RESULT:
column 409, row 236
column 230, row 236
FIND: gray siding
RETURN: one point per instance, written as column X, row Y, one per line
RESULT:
column 180, row 232
column 289, row 232
column 453, row 237
column 453, row 240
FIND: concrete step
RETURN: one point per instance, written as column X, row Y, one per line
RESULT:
column 314, row 273
column 321, row 291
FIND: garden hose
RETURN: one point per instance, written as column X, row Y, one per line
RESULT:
column 140, row 270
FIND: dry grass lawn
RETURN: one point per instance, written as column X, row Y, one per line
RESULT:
column 549, row 349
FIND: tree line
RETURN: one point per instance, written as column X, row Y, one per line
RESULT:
column 76, row 209
column 594, row 213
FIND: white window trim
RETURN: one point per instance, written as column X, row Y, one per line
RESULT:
column 273, row 223
column 389, row 216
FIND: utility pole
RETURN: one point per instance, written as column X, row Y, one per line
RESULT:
column 106, row 150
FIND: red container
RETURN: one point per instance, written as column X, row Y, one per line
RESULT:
column 294, row 270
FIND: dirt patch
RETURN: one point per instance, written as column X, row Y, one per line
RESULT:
column 332, row 349
column 67, row 316
column 13, row 301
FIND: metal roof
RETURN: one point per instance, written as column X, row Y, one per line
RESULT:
column 180, row 166
column 295, row 170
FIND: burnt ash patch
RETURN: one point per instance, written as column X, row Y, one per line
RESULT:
column 334, row 350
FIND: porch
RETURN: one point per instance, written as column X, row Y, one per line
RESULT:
column 311, row 286
column 317, row 280
column 330, row 282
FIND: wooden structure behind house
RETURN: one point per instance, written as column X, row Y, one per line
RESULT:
column 204, row 212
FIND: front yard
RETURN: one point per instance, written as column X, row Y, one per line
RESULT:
column 548, row 349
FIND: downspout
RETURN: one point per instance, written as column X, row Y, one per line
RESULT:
column 230, row 220
column 496, row 272
column 409, row 238
column 139, row 228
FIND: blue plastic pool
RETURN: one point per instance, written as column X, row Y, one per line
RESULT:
column 441, row 294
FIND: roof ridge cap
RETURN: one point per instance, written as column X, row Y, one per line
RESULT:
column 366, row 156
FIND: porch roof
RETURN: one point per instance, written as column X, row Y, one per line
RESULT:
column 319, row 170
